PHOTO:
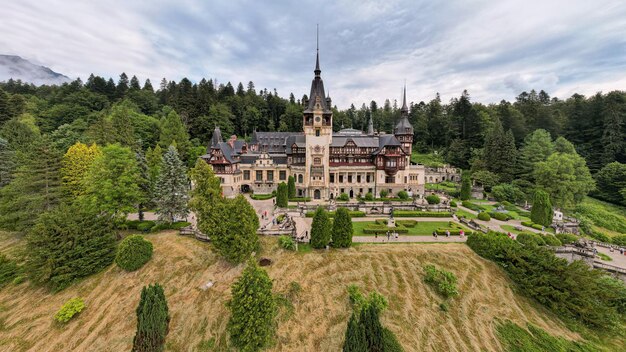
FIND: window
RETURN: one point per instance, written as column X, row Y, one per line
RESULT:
column 349, row 178
column 259, row 175
column 270, row 175
column 358, row 179
column 367, row 178
column 390, row 179
column 332, row 178
column 317, row 161
column 340, row 178
column 282, row 175
column 300, row 178
column 317, row 132
column 246, row 174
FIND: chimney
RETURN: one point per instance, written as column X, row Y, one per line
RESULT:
column 232, row 140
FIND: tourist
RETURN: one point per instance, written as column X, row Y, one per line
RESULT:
column 462, row 233
column 375, row 234
column 435, row 234
column 388, row 236
column 447, row 233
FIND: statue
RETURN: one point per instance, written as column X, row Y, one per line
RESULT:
column 391, row 213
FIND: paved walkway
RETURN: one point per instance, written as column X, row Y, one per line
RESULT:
column 400, row 239
column 619, row 260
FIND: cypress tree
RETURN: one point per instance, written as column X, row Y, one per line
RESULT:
column 466, row 186
column 153, row 320
column 320, row 229
column 541, row 212
column 253, row 310
column 342, row 229
column 171, row 188
column 355, row 336
column 373, row 328
column 282, row 196
column 291, row 187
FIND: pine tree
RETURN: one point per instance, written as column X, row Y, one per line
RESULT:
column 68, row 243
column 291, row 187
column 541, row 212
column 610, row 180
column 7, row 163
column 282, row 196
column 153, row 320
column 500, row 153
column 355, row 340
column 253, row 310
column 171, row 188
column 122, row 86
column 5, row 115
column 373, row 328
column 466, row 186
column 74, row 166
column 342, row 229
column 320, row 229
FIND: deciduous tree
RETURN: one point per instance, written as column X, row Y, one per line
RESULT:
column 74, row 166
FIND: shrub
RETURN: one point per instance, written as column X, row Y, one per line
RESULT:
column 506, row 192
column 369, row 196
column 541, row 212
column 331, row 214
column 499, row 216
column 407, row 223
column 69, row 310
column 453, row 204
column 472, row 206
column 552, row 240
column 403, row 195
column 620, row 240
column 153, row 320
column 391, row 342
column 282, row 197
column 444, row 282
column 343, row 197
column 8, row 270
column 133, row 252
column 145, row 226
column 371, row 229
column 567, row 238
column 383, row 193
column 291, row 187
column 320, row 229
column 527, row 223
column 342, row 229
column 531, row 239
column 262, row 196
column 286, row 242
column 433, row 199
column 538, row 227
column 300, row 199
column 484, row 216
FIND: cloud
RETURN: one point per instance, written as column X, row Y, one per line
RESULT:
column 495, row 49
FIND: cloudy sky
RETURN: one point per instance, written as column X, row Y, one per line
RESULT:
column 495, row 49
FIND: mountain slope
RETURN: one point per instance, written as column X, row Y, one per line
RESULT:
column 15, row 67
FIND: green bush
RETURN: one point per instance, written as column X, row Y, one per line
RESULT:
column 262, row 196
column 423, row 214
column 69, row 310
column 369, row 196
column 602, row 215
column 552, row 240
column 499, row 216
column 8, row 270
column 453, row 204
column 530, row 239
column 286, row 242
column 527, row 223
column 541, row 212
column 391, row 342
column 133, row 252
column 620, row 240
column 407, row 223
column 567, row 238
column 484, row 216
column 383, row 193
column 433, row 199
column 444, row 282
column 538, row 227
column 403, row 195
column 343, row 197
column 145, row 226
column 300, row 199
column 282, row 195
column 472, row 206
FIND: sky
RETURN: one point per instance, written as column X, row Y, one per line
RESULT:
column 368, row 49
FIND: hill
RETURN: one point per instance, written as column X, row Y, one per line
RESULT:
column 319, row 315
column 12, row 66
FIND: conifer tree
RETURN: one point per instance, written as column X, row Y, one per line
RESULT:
column 538, row 146
column 499, row 152
column 7, row 163
column 541, row 212
column 74, row 166
column 320, row 229
column 373, row 328
column 173, row 132
column 153, row 320
column 466, row 186
column 122, row 124
column 154, row 159
column 355, row 340
column 281, row 195
column 171, row 188
column 342, row 229
column 291, row 187
column 253, row 310
column 144, row 183
column 206, row 199
column 68, row 243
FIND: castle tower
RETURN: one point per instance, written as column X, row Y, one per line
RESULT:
column 318, row 128
column 404, row 130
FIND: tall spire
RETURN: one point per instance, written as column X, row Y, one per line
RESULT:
column 317, row 59
column 404, row 108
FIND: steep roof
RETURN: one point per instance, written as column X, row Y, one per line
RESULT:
column 404, row 125
column 317, row 89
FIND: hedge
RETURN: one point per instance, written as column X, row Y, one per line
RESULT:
column 353, row 214
column 499, row 216
column 300, row 199
column 152, row 226
column 453, row 204
column 262, row 196
column 405, row 223
column 472, row 206
column 484, row 216
column 133, row 252
column 375, row 228
column 422, row 214
column 533, row 225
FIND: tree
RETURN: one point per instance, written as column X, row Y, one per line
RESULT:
column 564, row 175
column 7, row 163
column 68, row 243
column 355, row 340
column 173, row 132
column 466, row 186
column 74, row 166
column 171, row 188
column 153, row 319
column 610, row 181
column 499, row 152
column 154, row 160
column 253, row 310
column 281, row 195
column 342, row 229
column 122, row 123
column 373, row 328
column 541, row 212
column 320, row 229
column 291, row 187
column 112, row 182
column 507, row 192
column 538, row 146
column 237, row 226
column 486, row 178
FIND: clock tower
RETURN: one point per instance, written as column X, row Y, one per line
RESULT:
column 318, row 129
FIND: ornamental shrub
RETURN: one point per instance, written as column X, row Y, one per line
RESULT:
column 383, row 193
column 153, row 320
column 133, row 252
column 567, row 238
column 343, row 197
column 552, row 240
column 433, row 199
column 282, row 197
column 453, row 204
column 484, row 216
column 541, row 212
column 530, row 239
column 291, row 187
column 369, row 196
column 286, row 242
column 320, row 229
column 466, row 186
column 444, row 282
column 69, row 310
column 404, row 195
column 342, row 229
column 499, row 216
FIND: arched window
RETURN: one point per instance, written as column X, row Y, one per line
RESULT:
column 300, row 178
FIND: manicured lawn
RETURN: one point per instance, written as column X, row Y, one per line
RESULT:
column 446, row 187
column 428, row 159
column 511, row 229
column 465, row 213
column 423, row 228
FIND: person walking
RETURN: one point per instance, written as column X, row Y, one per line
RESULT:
column 462, row 233
column 447, row 233
column 388, row 236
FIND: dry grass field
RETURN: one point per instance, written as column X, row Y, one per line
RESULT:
column 320, row 311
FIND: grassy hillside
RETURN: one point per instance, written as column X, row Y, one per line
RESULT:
column 317, row 321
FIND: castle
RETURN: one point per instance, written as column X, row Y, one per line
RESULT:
column 323, row 163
